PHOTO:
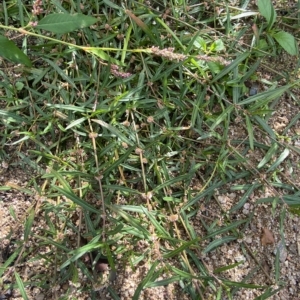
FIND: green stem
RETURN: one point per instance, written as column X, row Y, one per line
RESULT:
column 84, row 48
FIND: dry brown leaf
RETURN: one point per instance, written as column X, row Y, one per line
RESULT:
column 267, row 237
column 136, row 19
column 266, row 266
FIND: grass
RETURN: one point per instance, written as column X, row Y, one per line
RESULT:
column 127, row 125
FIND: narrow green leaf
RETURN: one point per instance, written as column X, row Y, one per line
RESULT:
column 64, row 23
column 226, row 268
column 267, row 10
column 28, row 224
column 21, row 14
column 201, row 195
column 147, row 278
column 160, row 21
column 5, row 12
column 225, row 229
column 266, row 127
column 269, row 292
column 242, row 285
column 280, row 159
column 129, row 219
column 70, row 195
column 48, row 241
column 76, row 254
column 287, row 42
column 61, row 180
column 277, row 264
column 222, row 116
column 60, row 72
column 291, row 200
column 268, row 155
column 21, row 286
column 183, row 274
column 10, row 51
column 265, row 97
column 9, row 117
column 111, row 4
column 121, row 188
column 178, row 250
column 112, row 292
column 245, row 197
column 117, row 163
column 10, row 260
column 76, row 122
column 230, row 67
column 12, row 212
column 293, row 122
column 160, row 229
column 103, row 55
column 246, row 14
column 251, row 71
column 115, row 131
column 70, row 107
column 218, row 242
column 250, row 132
column 164, row 281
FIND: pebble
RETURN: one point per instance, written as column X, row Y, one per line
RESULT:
column 282, row 251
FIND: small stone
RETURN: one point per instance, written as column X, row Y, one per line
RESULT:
column 101, row 266
column 40, row 297
column 239, row 258
column 282, row 251
column 112, row 275
column 248, row 240
column 245, row 211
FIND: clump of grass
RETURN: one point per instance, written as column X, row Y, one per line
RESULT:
column 127, row 121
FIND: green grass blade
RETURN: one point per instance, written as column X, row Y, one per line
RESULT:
column 9, row 261
column 130, row 220
column 180, row 249
column 226, row 268
column 243, row 285
column 250, row 132
column 245, row 197
column 147, row 278
column 218, row 242
column 160, row 229
column 232, row 66
column 164, row 282
column 21, row 286
column 112, row 5
column 269, row 293
column 280, row 159
column 225, row 229
column 113, row 293
column 28, row 224
column 76, row 254
column 114, row 131
column 21, row 13
column 266, row 127
column 271, row 152
column 70, row 195
column 61, row 73
column 265, row 97
column 222, row 117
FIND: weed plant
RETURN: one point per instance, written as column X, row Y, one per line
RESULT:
column 125, row 113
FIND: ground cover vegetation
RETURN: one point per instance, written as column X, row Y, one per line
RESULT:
column 136, row 124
